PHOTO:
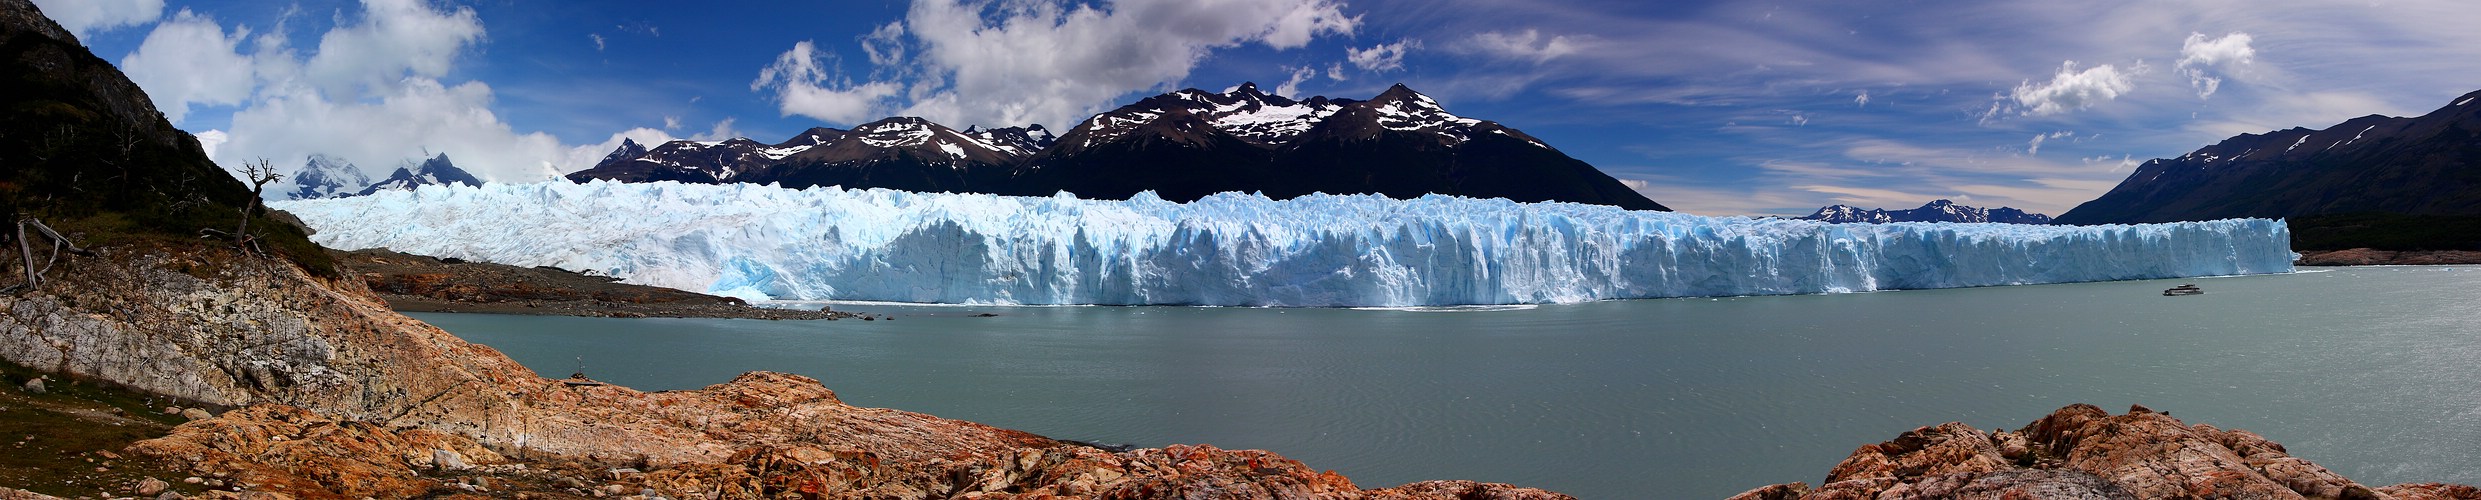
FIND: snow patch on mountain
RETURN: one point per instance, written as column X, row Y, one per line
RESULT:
column 1242, row 250
column 321, row 176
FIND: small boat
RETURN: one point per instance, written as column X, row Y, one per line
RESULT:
column 2183, row 290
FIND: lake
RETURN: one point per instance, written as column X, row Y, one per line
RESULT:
column 2372, row 372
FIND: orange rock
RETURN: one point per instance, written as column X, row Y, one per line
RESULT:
column 2083, row 452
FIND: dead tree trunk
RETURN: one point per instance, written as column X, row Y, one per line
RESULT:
column 25, row 249
column 32, row 278
column 259, row 174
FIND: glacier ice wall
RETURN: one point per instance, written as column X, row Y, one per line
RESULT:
column 760, row 241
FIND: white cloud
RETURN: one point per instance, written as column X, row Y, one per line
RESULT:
column 189, row 60
column 2073, row 90
column 395, row 40
column 805, row 87
column 370, row 94
column 211, row 140
column 1017, row 63
column 1861, row 101
column 1292, row 86
column 2204, row 60
column 598, row 41
column 1528, row 45
column 1382, row 57
column 86, row 17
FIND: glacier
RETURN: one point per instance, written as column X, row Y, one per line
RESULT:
column 765, row 242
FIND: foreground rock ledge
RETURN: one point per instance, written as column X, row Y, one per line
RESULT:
column 339, row 397
column 2083, row 452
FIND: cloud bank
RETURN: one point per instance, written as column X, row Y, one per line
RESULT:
column 372, row 91
column 1016, row 63
column 86, row 17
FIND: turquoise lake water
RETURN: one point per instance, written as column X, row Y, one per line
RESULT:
column 2372, row 372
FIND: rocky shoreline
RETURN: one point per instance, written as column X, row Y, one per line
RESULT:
column 2083, row 452
column 2370, row 257
column 335, row 395
column 420, row 283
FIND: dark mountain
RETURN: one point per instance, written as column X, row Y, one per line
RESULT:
column 904, row 153
column 86, row 152
column 697, row 162
column 437, row 171
column 2424, row 166
column 1183, row 145
column 1191, row 143
column 322, row 176
column 1935, row 211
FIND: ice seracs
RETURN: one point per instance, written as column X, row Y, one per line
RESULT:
column 764, row 242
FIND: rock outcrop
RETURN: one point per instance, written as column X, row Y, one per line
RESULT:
column 2083, row 452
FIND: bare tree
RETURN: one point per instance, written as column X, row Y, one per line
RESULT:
column 259, row 174
column 25, row 247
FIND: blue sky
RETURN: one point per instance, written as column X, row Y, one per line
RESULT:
column 1709, row 107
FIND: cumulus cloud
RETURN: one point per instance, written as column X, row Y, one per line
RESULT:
column 804, row 86
column 1015, row 63
column 190, row 59
column 1861, row 101
column 2204, row 61
column 2073, row 90
column 84, row 18
column 397, row 39
column 1528, row 45
column 370, row 93
column 1382, row 57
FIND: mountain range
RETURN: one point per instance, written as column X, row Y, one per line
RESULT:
column 2426, row 165
column 2381, row 182
column 1935, row 211
column 1182, row 145
column 325, row 176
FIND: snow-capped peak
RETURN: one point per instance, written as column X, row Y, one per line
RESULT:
column 322, row 176
column 629, row 150
column 1401, row 109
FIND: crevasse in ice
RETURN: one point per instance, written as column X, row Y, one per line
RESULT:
column 760, row 241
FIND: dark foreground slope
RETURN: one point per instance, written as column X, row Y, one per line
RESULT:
column 336, row 396
column 84, row 150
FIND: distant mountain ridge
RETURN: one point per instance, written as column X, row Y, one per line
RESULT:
column 1182, row 145
column 437, row 171
column 323, row 176
column 1934, row 211
column 2424, row 166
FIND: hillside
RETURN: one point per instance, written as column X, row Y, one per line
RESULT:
column 2369, row 181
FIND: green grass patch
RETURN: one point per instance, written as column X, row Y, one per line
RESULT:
column 66, row 442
